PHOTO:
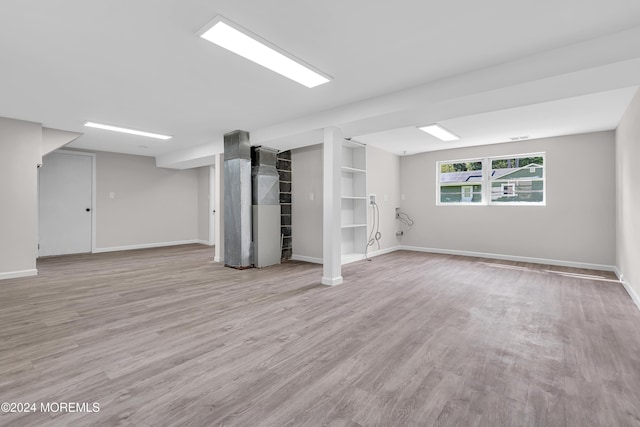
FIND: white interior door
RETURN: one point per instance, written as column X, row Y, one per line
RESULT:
column 65, row 204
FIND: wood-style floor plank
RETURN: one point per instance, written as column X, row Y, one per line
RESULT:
column 168, row 337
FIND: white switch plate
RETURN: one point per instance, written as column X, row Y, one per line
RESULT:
column 112, row 195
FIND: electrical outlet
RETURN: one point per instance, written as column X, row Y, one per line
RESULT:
column 397, row 212
column 372, row 199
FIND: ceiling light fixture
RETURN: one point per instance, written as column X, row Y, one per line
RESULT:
column 125, row 130
column 243, row 42
column 439, row 132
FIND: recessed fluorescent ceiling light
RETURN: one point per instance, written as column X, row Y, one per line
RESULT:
column 240, row 41
column 125, row 130
column 439, row 132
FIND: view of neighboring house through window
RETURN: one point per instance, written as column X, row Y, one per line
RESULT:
column 460, row 182
column 517, row 179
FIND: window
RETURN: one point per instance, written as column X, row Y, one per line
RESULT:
column 506, row 180
column 517, row 179
column 460, row 181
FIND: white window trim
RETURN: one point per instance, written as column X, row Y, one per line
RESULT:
column 482, row 184
column 486, row 181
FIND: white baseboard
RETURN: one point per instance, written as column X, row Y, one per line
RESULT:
column 145, row 246
column 332, row 281
column 313, row 260
column 627, row 286
column 218, row 259
column 204, row 242
column 384, row 251
column 18, row 274
column 560, row 263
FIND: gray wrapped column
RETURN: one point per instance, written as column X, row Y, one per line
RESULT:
column 237, row 200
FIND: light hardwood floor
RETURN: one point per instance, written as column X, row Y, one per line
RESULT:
column 168, row 337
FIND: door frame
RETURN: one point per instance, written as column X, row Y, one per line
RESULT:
column 93, row 193
column 212, row 205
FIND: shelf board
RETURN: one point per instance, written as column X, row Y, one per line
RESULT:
column 352, row 170
column 354, row 225
column 355, row 197
column 352, row 144
column 352, row 257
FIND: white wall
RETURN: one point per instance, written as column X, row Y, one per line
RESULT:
column 577, row 226
column 151, row 205
column 306, row 214
column 628, row 198
column 204, row 184
column 53, row 139
column 20, row 152
column 383, row 180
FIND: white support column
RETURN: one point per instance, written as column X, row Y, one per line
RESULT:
column 332, row 237
column 218, row 203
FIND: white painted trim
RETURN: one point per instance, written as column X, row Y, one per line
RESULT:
column 145, row 246
column 17, row 274
column 331, row 205
column 204, row 242
column 304, row 258
column 561, row 263
column 94, row 203
column 212, row 204
column 384, row 251
column 218, row 205
column 329, row 281
column 627, row 286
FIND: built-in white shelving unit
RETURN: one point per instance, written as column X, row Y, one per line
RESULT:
column 354, row 201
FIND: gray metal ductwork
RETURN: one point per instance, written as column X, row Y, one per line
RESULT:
column 266, row 207
column 237, row 200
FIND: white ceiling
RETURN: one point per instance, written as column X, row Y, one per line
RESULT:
column 588, row 113
column 140, row 64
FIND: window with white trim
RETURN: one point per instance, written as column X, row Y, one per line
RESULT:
column 460, row 182
column 505, row 180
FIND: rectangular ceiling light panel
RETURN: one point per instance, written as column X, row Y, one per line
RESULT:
column 242, row 42
column 439, row 132
column 125, row 130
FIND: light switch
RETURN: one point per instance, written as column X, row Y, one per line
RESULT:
column 311, row 196
column 402, row 197
column 112, row 195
